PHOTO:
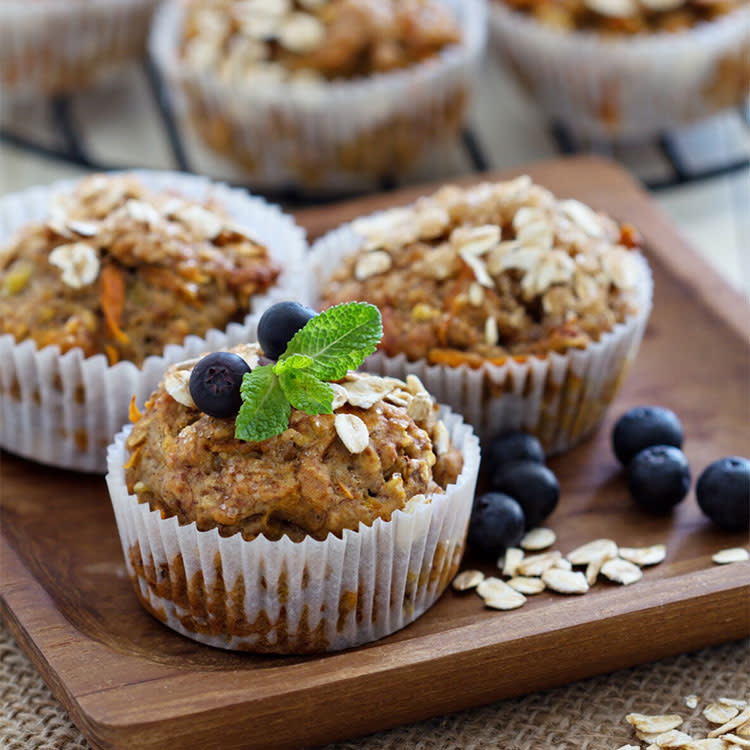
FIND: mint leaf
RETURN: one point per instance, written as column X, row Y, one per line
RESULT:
column 306, row 393
column 265, row 409
column 337, row 340
column 294, row 362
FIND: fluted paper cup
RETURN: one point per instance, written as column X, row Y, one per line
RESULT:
column 296, row 597
column 628, row 87
column 334, row 135
column 59, row 46
column 64, row 409
column 560, row 398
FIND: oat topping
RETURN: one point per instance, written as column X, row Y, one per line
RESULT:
column 124, row 270
column 177, row 385
column 466, row 275
column 624, row 16
column 313, row 40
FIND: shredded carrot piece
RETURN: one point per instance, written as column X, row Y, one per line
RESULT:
column 112, row 355
column 134, row 413
column 133, row 456
column 454, row 358
column 113, row 300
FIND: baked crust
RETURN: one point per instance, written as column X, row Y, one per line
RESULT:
column 303, row 482
column 122, row 270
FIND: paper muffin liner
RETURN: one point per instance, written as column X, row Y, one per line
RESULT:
column 63, row 410
column 628, row 87
column 560, row 398
column 332, row 135
column 57, row 46
column 296, row 597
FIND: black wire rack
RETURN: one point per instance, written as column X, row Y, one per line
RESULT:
column 72, row 148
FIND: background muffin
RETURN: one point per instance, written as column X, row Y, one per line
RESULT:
column 104, row 283
column 327, row 94
column 623, row 69
column 519, row 310
column 341, row 529
column 59, row 46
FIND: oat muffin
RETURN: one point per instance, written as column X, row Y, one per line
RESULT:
column 122, row 270
column 106, row 281
column 341, row 529
column 325, row 92
column 60, row 46
column 626, row 70
column 505, row 280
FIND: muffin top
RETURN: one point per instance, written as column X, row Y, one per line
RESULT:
column 382, row 449
column 122, row 270
column 470, row 275
column 272, row 40
column 624, row 16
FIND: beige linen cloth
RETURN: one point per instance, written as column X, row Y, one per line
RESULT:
column 585, row 715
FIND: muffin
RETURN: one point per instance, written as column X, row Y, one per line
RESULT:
column 60, row 46
column 619, row 69
column 519, row 310
column 105, row 282
column 325, row 94
column 339, row 529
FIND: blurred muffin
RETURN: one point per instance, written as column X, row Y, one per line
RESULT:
column 517, row 309
column 324, row 93
column 339, row 530
column 627, row 69
column 59, row 46
column 105, row 282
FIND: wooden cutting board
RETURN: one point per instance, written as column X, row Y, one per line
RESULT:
column 128, row 682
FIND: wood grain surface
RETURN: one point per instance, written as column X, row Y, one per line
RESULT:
column 128, row 682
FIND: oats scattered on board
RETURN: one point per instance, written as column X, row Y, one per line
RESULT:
column 621, row 571
column 511, row 561
column 498, row 595
column 468, row 579
column 596, row 550
column 654, row 722
column 706, row 744
column 526, row 585
column 592, row 571
column 537, row 539
column 629, row 747
column 643, row 556
column 565, row 581
column 731, row 555
column 691, row 701
column 718, row 714
column 352, row 431
column 743, row 730
column 535, row 565
column 737, row 721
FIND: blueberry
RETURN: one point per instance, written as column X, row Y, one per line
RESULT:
column 643, row 427
column 497, row 522
column 279, row 323
column 723, row 493
column 658, row 477
column 510, row 447
column 532, row 485
column 215, row 383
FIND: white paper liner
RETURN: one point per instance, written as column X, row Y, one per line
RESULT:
column 294, row 597
column 559, row 398
column 628, row 87
column 337, row 135
column 54, row 46
column 64, row 410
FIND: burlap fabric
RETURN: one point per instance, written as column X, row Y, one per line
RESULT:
column 585, row 715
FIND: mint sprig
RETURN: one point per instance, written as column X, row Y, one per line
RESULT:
column 325, row 349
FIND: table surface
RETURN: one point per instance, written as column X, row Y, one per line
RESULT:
column 585, row 715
